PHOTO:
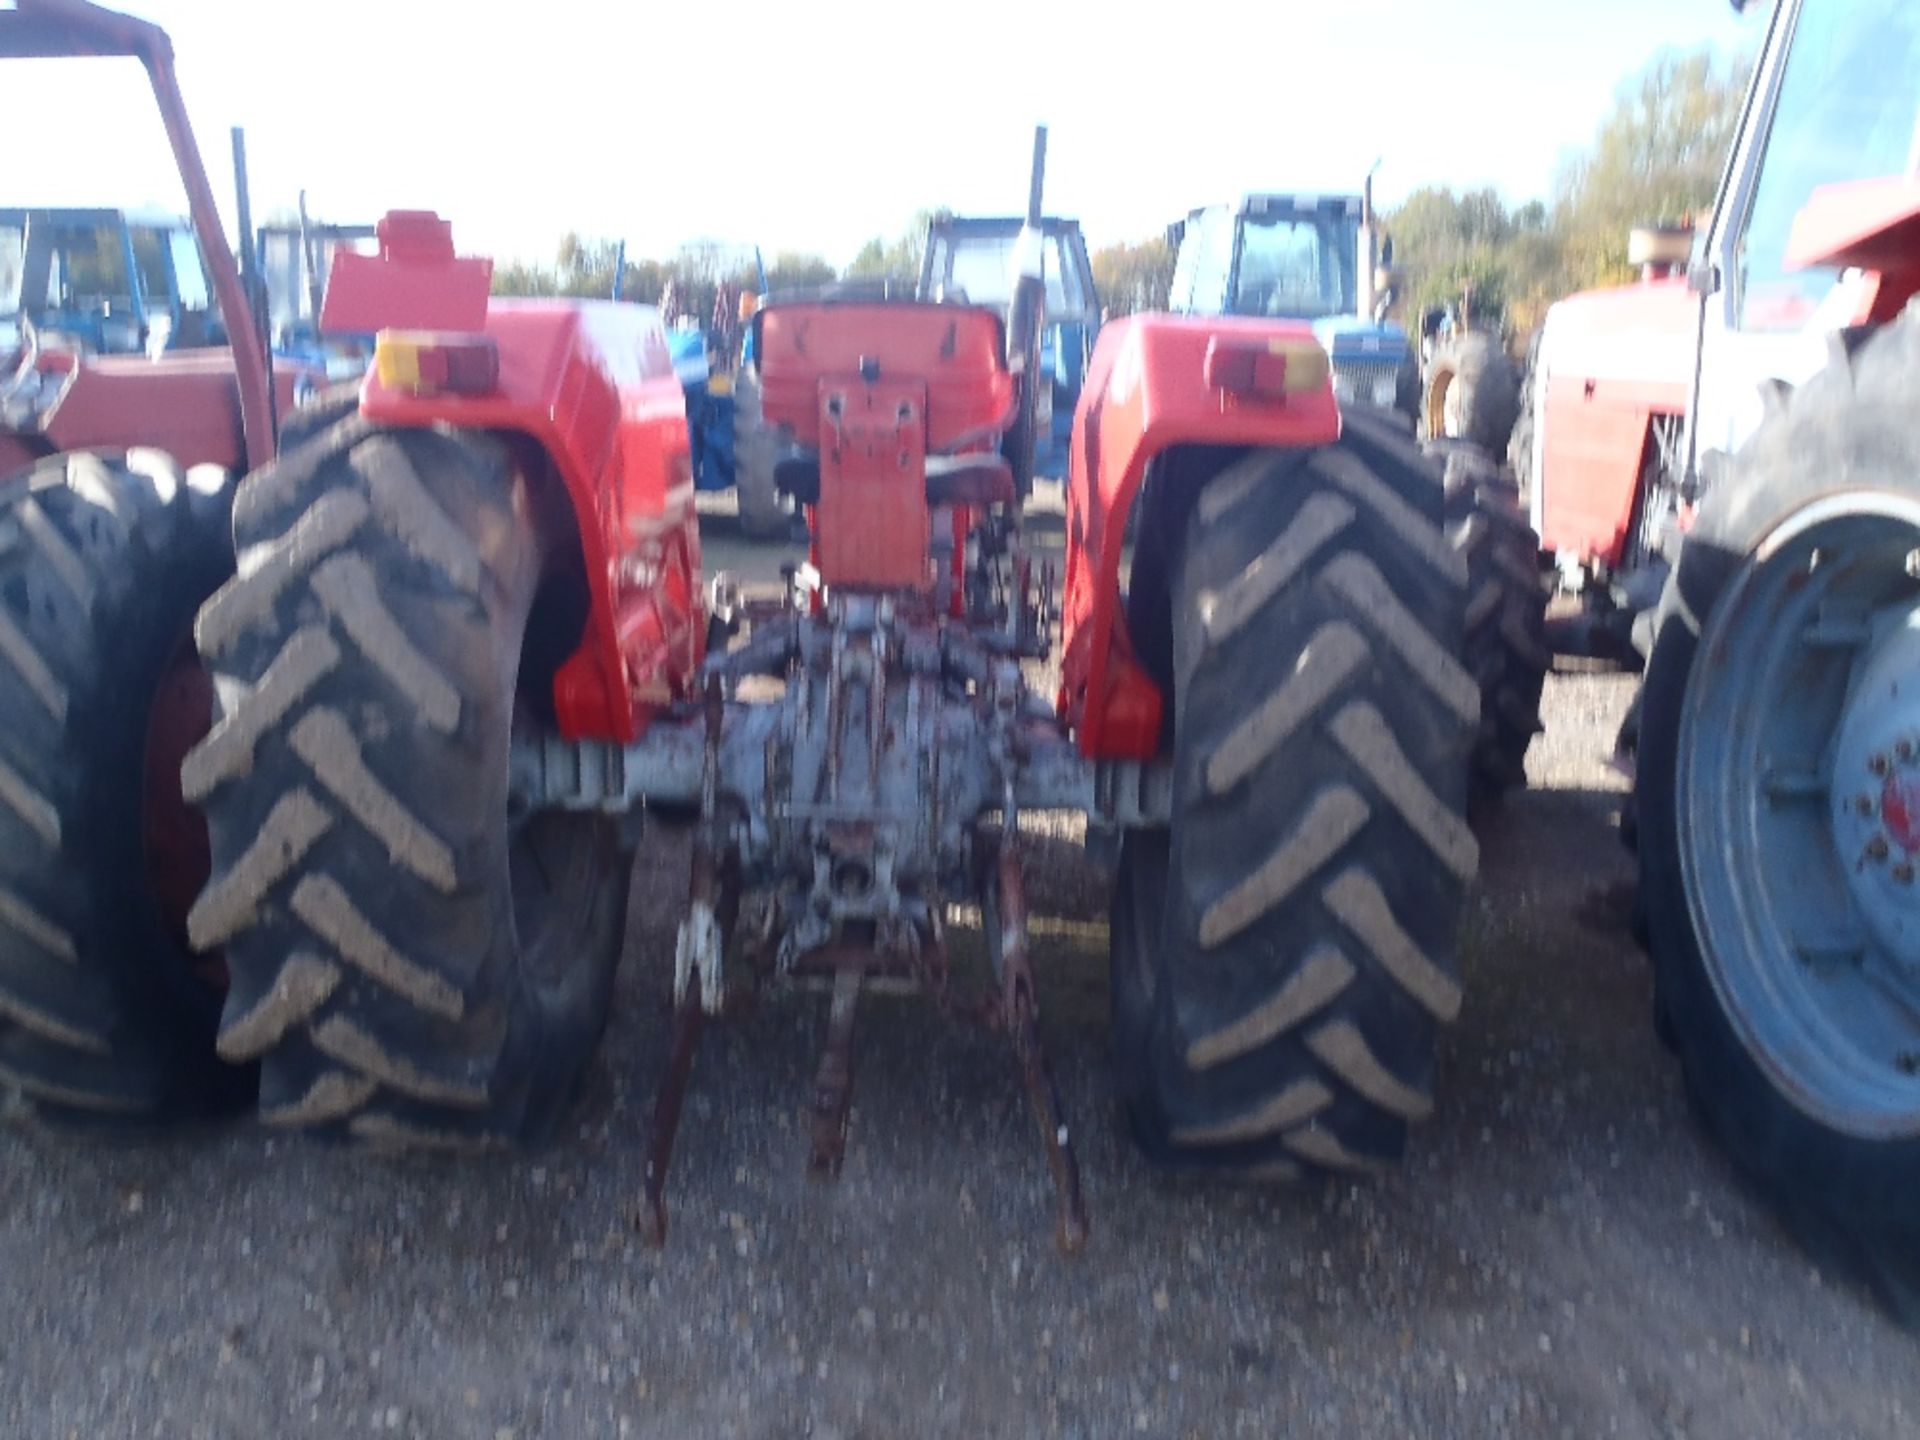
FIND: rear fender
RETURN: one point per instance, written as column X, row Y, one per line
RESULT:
column 1870, row 225
column 1148, row 389
column 591, row 386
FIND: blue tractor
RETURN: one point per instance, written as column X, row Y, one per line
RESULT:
column 1316, row 258
column 113, row 282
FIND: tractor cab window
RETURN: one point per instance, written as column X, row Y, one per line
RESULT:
column 980, row 267
column 150, row 259
column 1847, row 110
column 1297, row 263
column 199, row 315
column 1201, row 266
column 92, row 289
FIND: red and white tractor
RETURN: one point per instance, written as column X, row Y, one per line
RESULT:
column 1736, row 455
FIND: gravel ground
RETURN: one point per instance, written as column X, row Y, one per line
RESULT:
column 1560, row 1255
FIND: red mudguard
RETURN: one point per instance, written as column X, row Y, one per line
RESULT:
column 591, row 383
column 1157, row 381
column 1871, row 225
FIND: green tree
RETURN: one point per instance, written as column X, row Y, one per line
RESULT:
column 1657, row 157
column 897, row 260
column 1133, row 277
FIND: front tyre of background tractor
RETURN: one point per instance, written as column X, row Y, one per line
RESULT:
column 104, row 1011
column 764, row 514
column 1283, row 955
column 410, row 963
column 1472, row 393
column 1779, row 803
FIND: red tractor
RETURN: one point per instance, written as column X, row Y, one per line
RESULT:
column 1735, row 457
column 116, row 477
column 466, row 639
column 465, row 653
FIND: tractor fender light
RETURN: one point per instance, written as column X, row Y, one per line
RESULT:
column 1270, row 369
column 431, row 362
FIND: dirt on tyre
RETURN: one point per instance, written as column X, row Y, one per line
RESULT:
column 1505, row 641
column 1778, row 792
column 1472, row 393
column 1283, row 955
column 410, row 963
column 105, row 1012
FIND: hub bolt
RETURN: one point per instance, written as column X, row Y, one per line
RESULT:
column 1863, row 804
column 1903, row 751
column 1877, row 848
column 1879, row 764
column 1903, row 872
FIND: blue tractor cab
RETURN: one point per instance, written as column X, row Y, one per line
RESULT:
column 115, row 282
column 1303, row 257
column 971, row 260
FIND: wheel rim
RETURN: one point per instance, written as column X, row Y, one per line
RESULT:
column 175, row 845
column 1799, row 823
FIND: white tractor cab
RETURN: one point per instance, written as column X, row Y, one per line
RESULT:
column 1317, row 258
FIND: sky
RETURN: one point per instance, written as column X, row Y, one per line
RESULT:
column 814, row 126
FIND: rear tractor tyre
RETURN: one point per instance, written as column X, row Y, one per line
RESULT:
column 1506, row 618
column 1778, row 790
column 410, row 963
column 1283, row 955
column 105, row 1015
column 764, row 515
column 1472, row 393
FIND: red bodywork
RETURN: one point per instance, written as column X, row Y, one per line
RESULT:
column 1152, row 385
column 185, row 403
column 874, row 390
column 1871, row 225
column 591, row 385
column 1614, row 359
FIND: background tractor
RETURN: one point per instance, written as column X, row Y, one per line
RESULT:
column 111, row 282
column 972, row 259
column 1317, row 258
column 1741, row 443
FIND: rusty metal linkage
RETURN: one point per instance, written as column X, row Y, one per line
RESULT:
column 1020, row 1014
column 833, row 1086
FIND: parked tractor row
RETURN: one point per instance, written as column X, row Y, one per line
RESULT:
column 327, row 733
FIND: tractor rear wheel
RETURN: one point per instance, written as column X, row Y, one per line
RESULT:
column 410, row 962
column 1505, row 645
column 104, row 1012
column 1471, row 393
column 1778, row 791
column 1283, row 955
column 763, row 510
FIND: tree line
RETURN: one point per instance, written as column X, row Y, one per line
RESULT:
column 1656, row 157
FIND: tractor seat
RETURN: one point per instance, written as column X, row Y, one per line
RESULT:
column 978, row 477
column 981, row 477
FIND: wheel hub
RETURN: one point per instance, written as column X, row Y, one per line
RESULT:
column 1875, row 794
